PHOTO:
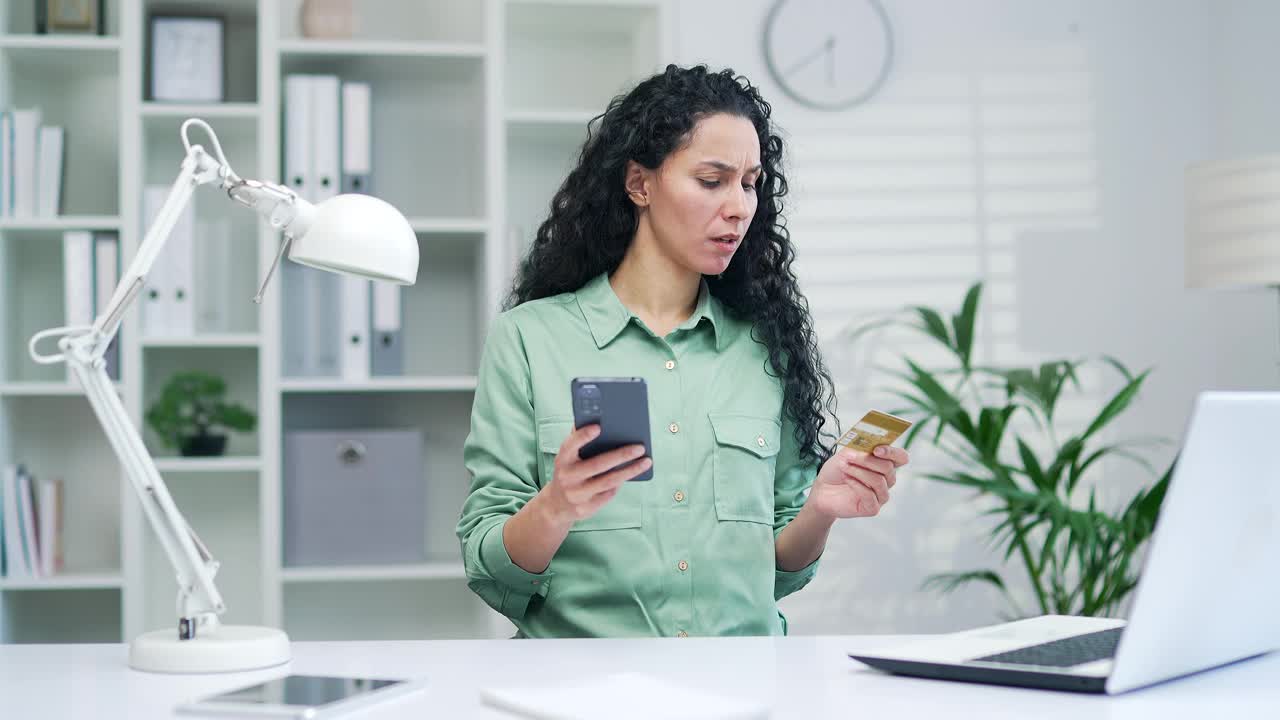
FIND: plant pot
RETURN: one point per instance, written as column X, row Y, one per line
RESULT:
column 203, row 445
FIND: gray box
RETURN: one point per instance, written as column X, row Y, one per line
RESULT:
column 354, row 497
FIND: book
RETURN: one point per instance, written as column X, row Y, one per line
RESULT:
column 27, row 523
column 49, row 525
column 49, row 164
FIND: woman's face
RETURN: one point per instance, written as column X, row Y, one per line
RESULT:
column 702, row 198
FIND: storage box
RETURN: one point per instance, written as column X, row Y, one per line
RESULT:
column 354, row 497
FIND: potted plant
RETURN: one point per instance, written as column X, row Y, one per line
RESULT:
column 191, row 409
column 1078, row 558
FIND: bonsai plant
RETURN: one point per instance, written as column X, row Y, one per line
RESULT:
column 189, row 411
column 1078, row 558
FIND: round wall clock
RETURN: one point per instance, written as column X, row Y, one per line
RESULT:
column 828, row 55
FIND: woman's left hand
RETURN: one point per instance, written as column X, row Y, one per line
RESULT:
column 854, row 484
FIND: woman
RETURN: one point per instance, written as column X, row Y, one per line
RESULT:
column 664, row 257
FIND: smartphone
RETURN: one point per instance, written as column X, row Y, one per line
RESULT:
column 620, row 405
column 303, row 696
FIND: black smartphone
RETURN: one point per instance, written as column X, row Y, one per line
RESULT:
column 620, row 405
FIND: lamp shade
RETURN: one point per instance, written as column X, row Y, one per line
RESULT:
column 1233, row 223
column 357, row 235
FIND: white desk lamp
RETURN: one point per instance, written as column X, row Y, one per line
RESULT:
column 354, row 234
column 1233, row 223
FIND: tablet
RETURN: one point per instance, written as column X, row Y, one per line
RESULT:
column 303, row 696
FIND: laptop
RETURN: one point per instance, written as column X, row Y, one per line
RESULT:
column 1207, row 596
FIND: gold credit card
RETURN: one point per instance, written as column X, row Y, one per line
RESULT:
column 873, row 430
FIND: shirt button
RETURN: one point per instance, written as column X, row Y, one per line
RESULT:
column 537, row 582
column 674, row 428
column 683, row 566
column 682, row 634
column 671, row 364
column 679, row 496
column 760, row 441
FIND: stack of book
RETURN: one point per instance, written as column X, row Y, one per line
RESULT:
column 30, row 525
column 30, row 165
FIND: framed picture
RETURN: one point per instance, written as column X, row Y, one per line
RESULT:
column 186, row 62
column 70, row 16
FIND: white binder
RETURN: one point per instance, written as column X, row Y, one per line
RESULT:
column 77, row 281
column 354, row 332
column 298, row 114
column 357, row 150
column 325, row 289
column 155, row 315
column 182, row 274
column 326, row 118
column 295, row 340
column 106, row 275
column 168, row 308
column 386, row 342
column 213, row 288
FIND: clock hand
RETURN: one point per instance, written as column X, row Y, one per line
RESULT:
column 824, row 48
column 831, row 61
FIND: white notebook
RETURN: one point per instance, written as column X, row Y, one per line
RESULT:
column 621, row 696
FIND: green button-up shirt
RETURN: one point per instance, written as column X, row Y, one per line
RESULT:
column 690, row 551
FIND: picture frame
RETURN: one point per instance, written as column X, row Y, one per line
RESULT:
column 85, row 17
column 186, row 57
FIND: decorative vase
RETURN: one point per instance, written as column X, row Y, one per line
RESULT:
column 327, row 18
column 203, row 445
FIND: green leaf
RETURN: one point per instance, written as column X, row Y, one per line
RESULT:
column 947, row 583
column 1078, row 471
column 1057, row 375
column 857, row 332
column 1032, row 466
column 982, row 484
column 1066, row 457
column 1116, row 405
column 933, row 326
column 911, row 434
column 945, row 405
column 1119, row 366
column 964, row 324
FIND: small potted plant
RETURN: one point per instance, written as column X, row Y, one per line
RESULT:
column 191, row 408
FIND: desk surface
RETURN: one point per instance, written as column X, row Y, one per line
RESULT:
column 799, row 677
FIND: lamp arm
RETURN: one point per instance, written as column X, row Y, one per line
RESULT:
column 83, row 349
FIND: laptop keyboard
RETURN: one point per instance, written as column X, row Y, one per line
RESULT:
column 1065, row 652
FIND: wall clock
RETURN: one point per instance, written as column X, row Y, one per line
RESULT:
column 828, row 55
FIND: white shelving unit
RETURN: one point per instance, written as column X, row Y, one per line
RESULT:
column 479, row 111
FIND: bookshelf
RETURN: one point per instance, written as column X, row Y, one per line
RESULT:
column 479, row 109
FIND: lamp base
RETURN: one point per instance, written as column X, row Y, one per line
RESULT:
column 230, row 648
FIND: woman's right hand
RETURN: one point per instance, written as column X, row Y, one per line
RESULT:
column 579, row 488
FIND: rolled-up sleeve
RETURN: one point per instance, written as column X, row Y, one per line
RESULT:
column 500, row 455
column 792, row 480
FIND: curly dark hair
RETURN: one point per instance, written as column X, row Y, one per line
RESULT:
column 592, row 223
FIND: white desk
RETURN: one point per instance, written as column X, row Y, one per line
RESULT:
column 801, row 677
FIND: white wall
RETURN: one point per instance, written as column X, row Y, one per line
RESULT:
column 1248, row 109
column 1039, row 146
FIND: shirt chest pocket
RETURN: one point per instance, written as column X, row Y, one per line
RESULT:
column 623, row 511
column 743, row 466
